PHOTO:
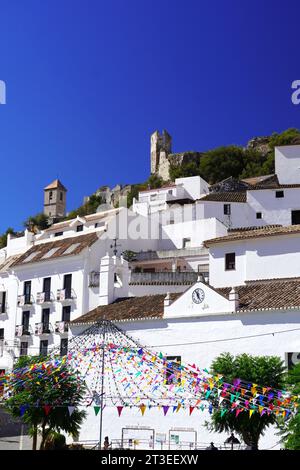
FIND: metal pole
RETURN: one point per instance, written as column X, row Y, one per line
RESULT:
column 102, row 388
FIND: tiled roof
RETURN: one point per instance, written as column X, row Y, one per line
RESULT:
column 56, row 249
column 255, row 180
column 267, row 231
column 258, row 295
column 55, row 185
column 7, row 263
column 130, row 308
column 273, row 294
column 230, row 196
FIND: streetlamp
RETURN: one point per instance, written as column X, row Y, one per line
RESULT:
column 233, row 442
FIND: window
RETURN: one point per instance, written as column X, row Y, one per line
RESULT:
column 63, row 346
column 230, row 261
column 27, row 292
column 295, row 217
column 2, row 302
column 58, row 234
column 258, row 215
column 45, row 320
column 68, row 286
column 186, row 243
column 79, row 228
column 279, row 194
column 1, row 334
column 25, row 322
column 47, row 288
column 173, row 374
column 50, row 196
column 227, row 209
column 24, row 348
column 66, row 313
column 44, row 347
column 61, row 196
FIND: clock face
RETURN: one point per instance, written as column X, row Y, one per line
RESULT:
column 198, row 296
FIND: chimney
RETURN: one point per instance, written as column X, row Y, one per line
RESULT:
column 234, row 299
column 167, row 300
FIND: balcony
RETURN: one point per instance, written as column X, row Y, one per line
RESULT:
column 44, row 297
column 61, row 327
column 23, row 330
column 43, row 329
column 65, row 294
column 164, row 278
column 25, row 300
column 165, row 254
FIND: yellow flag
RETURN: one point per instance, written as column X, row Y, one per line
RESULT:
column 143, row 408
column 251, row 413
column 178, row 407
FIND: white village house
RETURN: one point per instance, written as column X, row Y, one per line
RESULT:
column 238, row 245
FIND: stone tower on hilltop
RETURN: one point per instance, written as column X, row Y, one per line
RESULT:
column 161, row 147
column 55, row 200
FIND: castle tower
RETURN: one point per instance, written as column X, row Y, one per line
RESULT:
column 55, row 200
column 161, row 146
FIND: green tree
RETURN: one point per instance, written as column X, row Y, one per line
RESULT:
column 290, row 429
column 37, row 222
column 262, row 370
column 287, row 137
column 3, row 238
column 154, row 181
column 30, row 398
column 90, row 207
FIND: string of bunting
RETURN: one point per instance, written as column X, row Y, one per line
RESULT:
column 136, row 377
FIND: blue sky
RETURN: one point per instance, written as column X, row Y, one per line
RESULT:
column 89, row 81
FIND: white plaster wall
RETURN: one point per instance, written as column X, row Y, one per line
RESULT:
column 287, row 164
column 274, row 210
column 218, row 276
column 195, row 186
column 196, row 230
column 257, row 259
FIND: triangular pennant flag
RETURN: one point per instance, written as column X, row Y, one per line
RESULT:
column 251, row 413
column 178, row 407
column 223, row 412
column 142, row 408
column 238, row 411
column 191, row 409
column 96, row 409
column 166, row 409
column 174, row 408
column 71, row 409
column 23, row 408
column 119, row 408
column 47, row 409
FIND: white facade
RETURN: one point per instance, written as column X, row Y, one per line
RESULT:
column 287, row 165
column 269, row 257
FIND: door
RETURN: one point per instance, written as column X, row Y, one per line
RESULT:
column 66, row 313
column 68, row 285
column 47, row 288
column 27, row 291
column 45, row 320
column 25, row 322
column 295, row 217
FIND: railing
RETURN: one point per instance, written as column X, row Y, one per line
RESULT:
column 44, row 297
column 176, row 253
column 164, row 277
column 65, row 294
column 23, row 330
column 24, row 300
column 61, row 327
column 43, row 329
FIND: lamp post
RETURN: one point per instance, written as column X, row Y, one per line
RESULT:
column 232, row 441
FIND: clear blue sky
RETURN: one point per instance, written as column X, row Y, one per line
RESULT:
column 89, row 81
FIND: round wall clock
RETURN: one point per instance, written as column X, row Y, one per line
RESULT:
column 198, row 296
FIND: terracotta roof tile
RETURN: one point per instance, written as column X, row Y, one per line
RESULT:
column 273, row 294
column 130, row 308
column 267, row 231
column 38, row 252
column 229, row 196
column 56, row 184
